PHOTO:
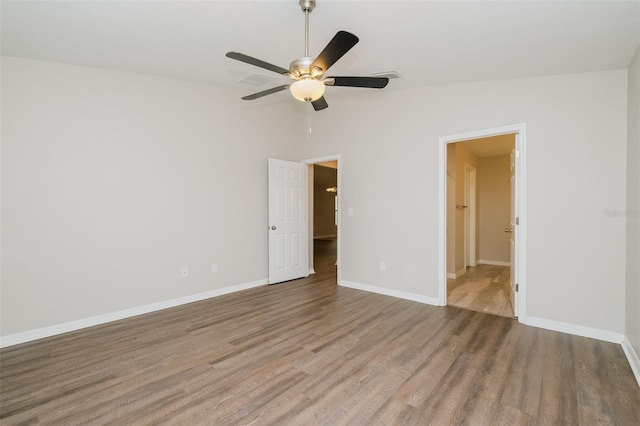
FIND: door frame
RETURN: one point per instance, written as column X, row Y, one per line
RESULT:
column 310, row 162
column 470, row 217
column 520, row 268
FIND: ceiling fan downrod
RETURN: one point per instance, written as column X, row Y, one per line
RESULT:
column 307, row 7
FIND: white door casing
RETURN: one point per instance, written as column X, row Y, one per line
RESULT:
column 288, row 221
column 513, row 232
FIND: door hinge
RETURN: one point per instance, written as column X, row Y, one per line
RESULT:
column 517, row 288
column 517, row 220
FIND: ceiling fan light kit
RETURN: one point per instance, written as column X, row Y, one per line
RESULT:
column 308, row 73
column 307, row 90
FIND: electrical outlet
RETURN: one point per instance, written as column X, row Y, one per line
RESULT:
column 214, row 267
column 184, row 272
column 383, row 265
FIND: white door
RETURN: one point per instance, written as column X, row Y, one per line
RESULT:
column 288, row 221
column 513, row 233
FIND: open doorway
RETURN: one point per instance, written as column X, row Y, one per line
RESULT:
column 325, row 215
column 479, row 237
column 324, row 241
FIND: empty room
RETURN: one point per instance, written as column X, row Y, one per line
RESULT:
column 243, row 212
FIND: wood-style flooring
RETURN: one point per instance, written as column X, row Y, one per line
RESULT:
column 483, row 288
column 308, row 352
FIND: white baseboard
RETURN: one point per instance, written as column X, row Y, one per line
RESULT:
column 578, row 330
column 312, row 271
column 389, row 292
column 40, row 333
column 632, row 357
column 457, row 274
column 494, row 262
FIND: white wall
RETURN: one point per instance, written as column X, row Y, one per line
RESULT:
column 112, row 181
column 633, row 206
column 575, row 159
column 494, row 199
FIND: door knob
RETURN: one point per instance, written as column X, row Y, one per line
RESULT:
column 508, row 230
column 273, row 227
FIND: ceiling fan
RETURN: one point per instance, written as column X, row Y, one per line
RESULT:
column 308, row 73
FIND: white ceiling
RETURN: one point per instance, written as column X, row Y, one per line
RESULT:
column 427, row 42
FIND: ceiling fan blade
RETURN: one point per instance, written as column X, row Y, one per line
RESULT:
column 265, row 92
column 370, row 82
column 340, row 44
column 320, row 104
column 257, row 62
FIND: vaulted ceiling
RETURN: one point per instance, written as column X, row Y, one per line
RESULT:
column 426, row 42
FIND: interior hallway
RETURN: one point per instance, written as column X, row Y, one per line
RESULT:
column 484, row 288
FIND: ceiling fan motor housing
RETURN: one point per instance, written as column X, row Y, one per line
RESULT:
column 299, row 69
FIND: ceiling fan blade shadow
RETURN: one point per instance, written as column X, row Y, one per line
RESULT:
column 256, row 62
column 340, row 44
column 368, row 82
column 320, row 104
column 265, row 92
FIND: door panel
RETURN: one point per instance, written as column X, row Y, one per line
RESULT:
column 288, row 221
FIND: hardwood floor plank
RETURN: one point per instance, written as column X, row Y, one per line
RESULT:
column 619, row 384
column 420, row 389
column 483, row 288
column 461, row 386
column 506, row 415
column 523, row 386
column 558, row 395
column 590, row 384
column 483, row 399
